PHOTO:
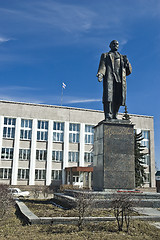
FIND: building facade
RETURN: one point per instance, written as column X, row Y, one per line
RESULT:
column 45, row 144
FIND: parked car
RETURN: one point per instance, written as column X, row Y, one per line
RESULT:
column 17, row 193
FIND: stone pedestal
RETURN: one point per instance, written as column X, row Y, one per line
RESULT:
column 113, row 163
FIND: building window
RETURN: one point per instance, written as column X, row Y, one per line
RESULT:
column 5, row 173
column 9, row 127
column 74, row 132
column 41, row 155
column 89, row 134
column 58, row 131
column 7, row 153
column 88, row 157
column 56, row 174
column 146, row 159
column 146, row 138
column 23, row 174
column 24, row 154
column 147, row 179
column 73, row 156
column 57, row 156
column 40, row 174
column 42, row 130
column 26, row 129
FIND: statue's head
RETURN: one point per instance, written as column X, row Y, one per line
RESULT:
column 114, row 45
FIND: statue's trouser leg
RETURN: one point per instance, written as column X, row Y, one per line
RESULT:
column 107, row 110
column 116, row 107
column 117, row 99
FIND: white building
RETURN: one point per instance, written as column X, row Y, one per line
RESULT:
column 41, row 143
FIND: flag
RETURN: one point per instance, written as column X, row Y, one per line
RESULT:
column 63, row 85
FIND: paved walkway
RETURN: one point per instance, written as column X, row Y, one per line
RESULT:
column 148, row 211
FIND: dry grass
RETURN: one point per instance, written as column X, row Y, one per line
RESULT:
column 12, row 228
column 45, row 209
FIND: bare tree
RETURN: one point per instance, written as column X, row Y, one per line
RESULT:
column 122, row 205
column 6, row 200
column 36, row 191
column 84, row 203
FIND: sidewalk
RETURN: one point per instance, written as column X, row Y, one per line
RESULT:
column 150, row 212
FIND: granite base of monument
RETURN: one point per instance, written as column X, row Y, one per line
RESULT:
column 113, row 162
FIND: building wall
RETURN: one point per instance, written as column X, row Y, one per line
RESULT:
column 53, row 114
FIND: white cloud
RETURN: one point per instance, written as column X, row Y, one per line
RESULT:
column 3, row 39
column 82, row 100
column 22, row 94
column 76, row 19
column 66, row 17
column 17, row 88
column 19, row 99
column 19, row 94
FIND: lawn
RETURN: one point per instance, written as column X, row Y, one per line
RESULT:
column 43, row 208
column 12, row 228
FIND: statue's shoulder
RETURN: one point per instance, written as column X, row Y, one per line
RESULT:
column 104, row 55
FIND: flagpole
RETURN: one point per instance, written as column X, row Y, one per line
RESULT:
column 62, row 95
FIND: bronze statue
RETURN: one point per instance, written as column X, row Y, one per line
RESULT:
column 113, row 69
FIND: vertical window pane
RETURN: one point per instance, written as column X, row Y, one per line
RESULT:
column 14, row 121
column 5, row 173
column 22, row 122
column 36, row 174
column 53, row 155
column 38, row 135
column 4, row 132
column 5, row 121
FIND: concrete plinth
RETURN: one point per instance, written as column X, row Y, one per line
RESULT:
column 113, row 163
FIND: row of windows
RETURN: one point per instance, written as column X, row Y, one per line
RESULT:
column 26, row 124
column 42, row 131
column 41, row 155
column 42, row 135
column 23, row 174
column 40, row 174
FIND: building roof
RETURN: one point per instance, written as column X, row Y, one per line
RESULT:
column 66, row 107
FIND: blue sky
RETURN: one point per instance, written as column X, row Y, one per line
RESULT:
column 45, row 43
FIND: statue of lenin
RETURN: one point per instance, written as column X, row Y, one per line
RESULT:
column 113, row 69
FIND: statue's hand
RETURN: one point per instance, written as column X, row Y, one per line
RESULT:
column 100, row 77
column 125, row 59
